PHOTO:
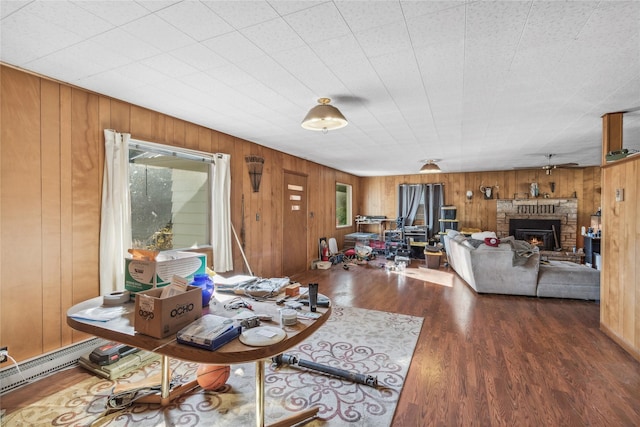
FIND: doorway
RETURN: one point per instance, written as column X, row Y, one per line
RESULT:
column 294, row 224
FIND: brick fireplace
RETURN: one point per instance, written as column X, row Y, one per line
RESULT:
column 563, row 211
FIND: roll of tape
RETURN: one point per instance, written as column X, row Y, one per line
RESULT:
column 116, row 298
column 289, row 317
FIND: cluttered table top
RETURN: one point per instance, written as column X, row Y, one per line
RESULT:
column 241, row 299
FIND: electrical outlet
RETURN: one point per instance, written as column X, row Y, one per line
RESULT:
column 4, row 352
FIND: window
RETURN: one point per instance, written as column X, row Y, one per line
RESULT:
column 170, row 196
column 343, row 205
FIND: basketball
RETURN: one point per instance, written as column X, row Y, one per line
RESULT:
column 212, row 377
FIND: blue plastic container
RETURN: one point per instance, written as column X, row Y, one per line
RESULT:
column 204, row 282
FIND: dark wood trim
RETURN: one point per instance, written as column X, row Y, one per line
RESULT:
column 611, row 134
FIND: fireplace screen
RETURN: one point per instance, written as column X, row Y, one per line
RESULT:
column 540, row 238
column 543, row 233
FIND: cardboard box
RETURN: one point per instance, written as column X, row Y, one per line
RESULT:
column 141, row 275
column 161, row 317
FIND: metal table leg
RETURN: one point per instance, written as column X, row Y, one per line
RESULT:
column 167, row 394
column 260, row 393
column 165, row 384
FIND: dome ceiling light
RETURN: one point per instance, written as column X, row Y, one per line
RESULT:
column 324, row 117
column 430, row 167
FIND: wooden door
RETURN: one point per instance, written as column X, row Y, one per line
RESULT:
column 294, row 225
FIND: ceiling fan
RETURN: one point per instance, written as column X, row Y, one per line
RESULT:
column 550, row 166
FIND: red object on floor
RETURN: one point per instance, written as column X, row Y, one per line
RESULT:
column 325, row 253
column 376, row 244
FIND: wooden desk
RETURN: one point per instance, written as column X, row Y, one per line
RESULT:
column 122, row 330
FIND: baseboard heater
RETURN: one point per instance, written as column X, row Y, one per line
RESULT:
column 42, row 366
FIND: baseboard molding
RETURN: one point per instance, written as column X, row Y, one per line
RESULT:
column 44, row 365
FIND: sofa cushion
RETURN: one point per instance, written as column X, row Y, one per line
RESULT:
column 459, row 238
column 468, row 244
column 564, row 279
column 483, row 235
column 452, row 233
column 502, row 247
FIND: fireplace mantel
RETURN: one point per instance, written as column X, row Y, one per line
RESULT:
column 564, row 210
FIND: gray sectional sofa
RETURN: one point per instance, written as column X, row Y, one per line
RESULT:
column 515, row 268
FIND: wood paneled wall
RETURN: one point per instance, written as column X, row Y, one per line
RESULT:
column 620, row 246
column 51, row 159
column 381, row 192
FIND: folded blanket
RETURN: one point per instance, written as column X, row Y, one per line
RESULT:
column 522, row 250
column 475, row 242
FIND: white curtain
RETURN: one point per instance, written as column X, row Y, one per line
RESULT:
column 115, row 226
column 221, row 211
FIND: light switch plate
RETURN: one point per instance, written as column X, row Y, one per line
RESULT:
column 619, row 194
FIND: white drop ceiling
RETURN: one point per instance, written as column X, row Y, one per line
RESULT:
column 476, row 85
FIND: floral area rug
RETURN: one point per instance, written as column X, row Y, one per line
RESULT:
column 368, row 342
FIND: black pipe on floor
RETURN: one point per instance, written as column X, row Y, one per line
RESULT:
column 340, row 373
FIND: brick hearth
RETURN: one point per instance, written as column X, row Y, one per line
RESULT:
column 565, row 210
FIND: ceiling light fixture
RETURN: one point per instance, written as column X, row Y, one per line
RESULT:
column 430, row 167
column 324, row 117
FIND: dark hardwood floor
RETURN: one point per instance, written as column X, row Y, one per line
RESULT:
column 481, row 360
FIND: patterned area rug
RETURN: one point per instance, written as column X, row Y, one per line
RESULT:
column 369, row 342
